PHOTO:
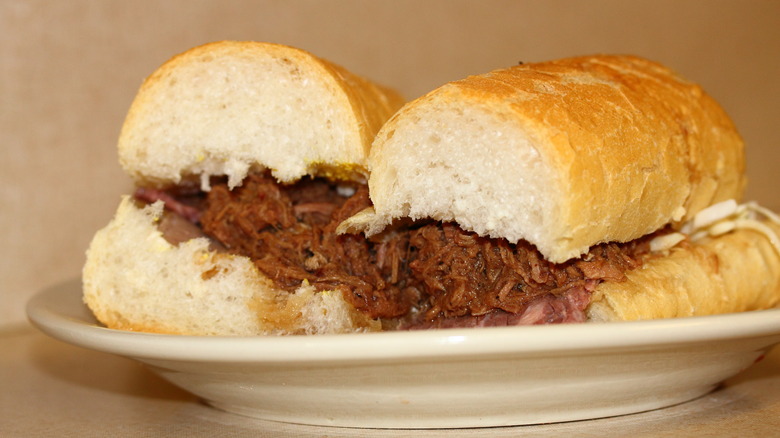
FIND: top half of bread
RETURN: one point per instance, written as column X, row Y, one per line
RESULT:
column 563, row 154
column 227, row 107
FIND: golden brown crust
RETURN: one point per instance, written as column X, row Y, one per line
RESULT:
column 229, row 106
column 639, row 122
column 374, row 103
column 736, row 272
column 616, row 147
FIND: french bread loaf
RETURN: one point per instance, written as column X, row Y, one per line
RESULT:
column 563, row 154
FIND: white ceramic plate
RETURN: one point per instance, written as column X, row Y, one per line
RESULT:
column 438, row 378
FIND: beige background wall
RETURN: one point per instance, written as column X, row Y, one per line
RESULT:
column 69, row 69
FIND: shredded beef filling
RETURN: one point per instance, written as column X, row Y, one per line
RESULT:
column 465, row 275
column 427, row 275
column 290, row 234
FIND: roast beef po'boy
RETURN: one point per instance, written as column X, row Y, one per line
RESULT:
column 593, row 188
column 598, row 188
column 246, row 156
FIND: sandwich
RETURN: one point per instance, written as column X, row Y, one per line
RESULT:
column 596, row 188
column 278, row 194
column 245, row 157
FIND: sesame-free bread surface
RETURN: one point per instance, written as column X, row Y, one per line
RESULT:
column 564, row 154
column 229, row 107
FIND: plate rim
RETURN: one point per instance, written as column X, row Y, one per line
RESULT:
column 439, row 343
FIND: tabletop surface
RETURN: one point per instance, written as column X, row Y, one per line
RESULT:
column 50, row 388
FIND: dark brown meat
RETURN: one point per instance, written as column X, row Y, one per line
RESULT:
column 568, row 307
column 443, row 275
column 463, row 274
column 290, row 234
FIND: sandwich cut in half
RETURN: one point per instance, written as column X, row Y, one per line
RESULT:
column 246, row 157
column 595, row 188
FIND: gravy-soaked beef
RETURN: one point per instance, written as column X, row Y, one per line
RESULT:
column 290, row 234
column 466, row 275
column 439, row 273
column 567, row 307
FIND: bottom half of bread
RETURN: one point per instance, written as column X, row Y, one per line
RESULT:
column 734, row 272
column 136, row 280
